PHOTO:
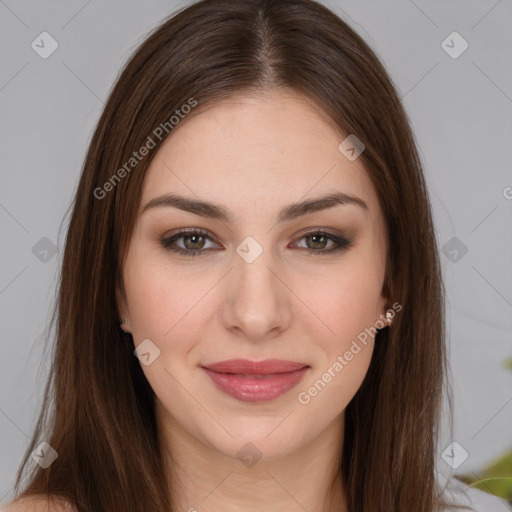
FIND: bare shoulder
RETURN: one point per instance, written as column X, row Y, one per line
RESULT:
column 37, row 504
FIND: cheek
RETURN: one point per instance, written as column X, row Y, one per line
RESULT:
column 349, row 309
column 166, row 311
column 161, row 300
column 349, row 303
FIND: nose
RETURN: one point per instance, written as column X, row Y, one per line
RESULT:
column 257, row 303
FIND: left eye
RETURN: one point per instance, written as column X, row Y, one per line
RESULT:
column 194, row 241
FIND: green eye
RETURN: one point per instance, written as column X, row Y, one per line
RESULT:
column 321, row 238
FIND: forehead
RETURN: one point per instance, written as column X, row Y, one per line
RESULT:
column 258, row 151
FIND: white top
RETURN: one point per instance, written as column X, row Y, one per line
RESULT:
column 475, row 500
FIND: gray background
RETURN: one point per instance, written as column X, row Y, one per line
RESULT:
column 460, row 109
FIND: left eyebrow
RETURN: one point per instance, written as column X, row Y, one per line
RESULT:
column 219, row 212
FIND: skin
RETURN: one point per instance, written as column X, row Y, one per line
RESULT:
column 254, row 154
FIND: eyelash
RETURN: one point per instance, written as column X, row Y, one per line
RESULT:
column 342, row 243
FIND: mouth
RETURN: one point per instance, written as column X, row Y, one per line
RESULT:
column 255, row 381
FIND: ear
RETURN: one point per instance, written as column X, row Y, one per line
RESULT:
column 383, row 307
column 122, row 306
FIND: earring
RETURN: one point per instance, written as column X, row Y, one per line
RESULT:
column 388, row 318
column 122, row 321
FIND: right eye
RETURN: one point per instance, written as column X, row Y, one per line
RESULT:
column 194, row 240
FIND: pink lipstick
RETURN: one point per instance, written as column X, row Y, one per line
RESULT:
column 255, row 381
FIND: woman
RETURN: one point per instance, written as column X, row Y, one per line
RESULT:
column 251, row 306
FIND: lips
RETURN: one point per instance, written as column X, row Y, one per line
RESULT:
column 244, row 366
column 255, row 381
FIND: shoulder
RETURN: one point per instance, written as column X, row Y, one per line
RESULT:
column 37, row 504
column 459, row 494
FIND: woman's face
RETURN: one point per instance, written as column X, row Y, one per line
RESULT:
column 259, row 285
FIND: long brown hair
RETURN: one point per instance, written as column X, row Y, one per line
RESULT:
column 98, row 412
